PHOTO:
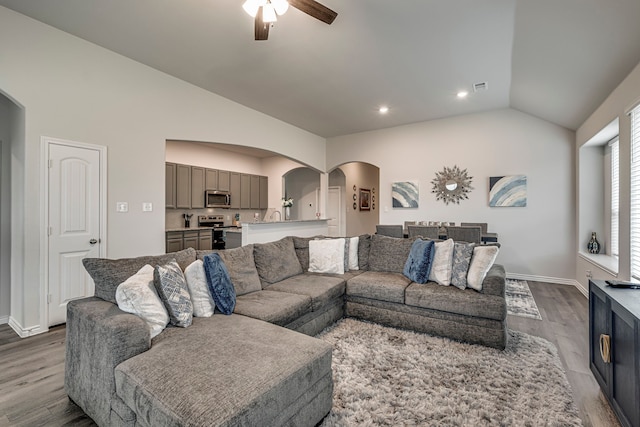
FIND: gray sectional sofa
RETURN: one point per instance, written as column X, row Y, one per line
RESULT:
column 261, row 364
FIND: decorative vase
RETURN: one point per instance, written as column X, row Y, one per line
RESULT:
column 594, row 245
column 287, row 213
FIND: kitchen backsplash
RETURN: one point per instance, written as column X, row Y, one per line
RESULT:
column 174, row 218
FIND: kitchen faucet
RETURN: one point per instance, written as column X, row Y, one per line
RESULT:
column 276, row 212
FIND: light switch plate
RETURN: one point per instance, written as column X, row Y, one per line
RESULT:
column 122, row 207
column 147, row 207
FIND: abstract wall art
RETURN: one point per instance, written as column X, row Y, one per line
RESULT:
column 405, row 194
column 508, row 191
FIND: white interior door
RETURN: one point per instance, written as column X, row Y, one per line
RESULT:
column 334, row 211
column 74, row 224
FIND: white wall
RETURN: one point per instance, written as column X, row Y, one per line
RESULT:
column 74, row 90
column 5, row 210
column 208, row 156
column 360, row 175
column 616, row 106
column 301, row 185
column 537, row 240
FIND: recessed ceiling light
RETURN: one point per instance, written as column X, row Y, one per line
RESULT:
column 462, row 94
column 383, row 110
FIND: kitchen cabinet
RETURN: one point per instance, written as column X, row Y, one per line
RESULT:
column 174, row 241
column 210, row 179
column 205, row 240
column 196, row 239
column 224, row 180
column 197, row 187
column 170, row 185
column 254, row 202
column 183, row 186
column 245, row 191
column 190, row 239
column 614, row 347
column 264, row 192
column 234, row 189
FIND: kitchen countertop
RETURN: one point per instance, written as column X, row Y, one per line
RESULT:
column 189, row 229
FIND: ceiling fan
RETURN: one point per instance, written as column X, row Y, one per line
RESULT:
column 265, row 12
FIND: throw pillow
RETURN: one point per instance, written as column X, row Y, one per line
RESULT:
column 242, row 269
column 481, row 261
column 364, row 248
column 442, row 263
column 326, row 256
column 203, row 304
column 418, row 265
column 219, row 282
column 276, row 261
column 172, row 288
column 462, row 253
column 138, row 296
column 107, row 274
column 354, row 243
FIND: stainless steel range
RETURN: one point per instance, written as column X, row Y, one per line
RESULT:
column 215, row 222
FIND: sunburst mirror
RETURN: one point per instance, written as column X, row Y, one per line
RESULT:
column 452, row 185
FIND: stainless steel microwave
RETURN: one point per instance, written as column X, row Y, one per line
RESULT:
column 217, row 199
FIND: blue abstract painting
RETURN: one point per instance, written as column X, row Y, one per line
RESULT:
column 405, row 194
column 508, row 191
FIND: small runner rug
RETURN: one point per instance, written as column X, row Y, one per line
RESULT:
column 520, row 301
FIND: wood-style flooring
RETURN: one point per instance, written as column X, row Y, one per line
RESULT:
column 32, row 369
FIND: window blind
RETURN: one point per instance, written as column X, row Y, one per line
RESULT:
column 635, row 192
column 615, row 195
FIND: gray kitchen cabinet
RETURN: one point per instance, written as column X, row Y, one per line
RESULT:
column 205, row 240
column 210, row 179
column 254, row 202
column 197, row 187
column 224, row 180
column 170, row 185
column 245, row 191
column 234, row 189
column 264, row 192
column 183, row 187
column 174, row 241
column 190, row 239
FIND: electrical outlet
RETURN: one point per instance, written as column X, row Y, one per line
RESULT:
column 147, row 207
column 589, row 275
column 122, row 207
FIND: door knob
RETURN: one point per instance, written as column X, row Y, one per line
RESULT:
column 93, row 241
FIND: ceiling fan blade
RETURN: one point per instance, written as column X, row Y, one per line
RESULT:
column 261, row 29
column 315, row 9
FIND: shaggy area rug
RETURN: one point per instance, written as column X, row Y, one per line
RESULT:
column 390, row 377
column 520, row 301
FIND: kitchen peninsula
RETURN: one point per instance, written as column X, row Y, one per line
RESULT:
column 262, row 232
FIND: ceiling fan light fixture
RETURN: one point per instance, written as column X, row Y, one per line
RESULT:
column 280, row 6
column 252, row 6
column 268, row 13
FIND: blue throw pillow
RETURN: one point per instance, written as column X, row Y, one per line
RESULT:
column 418, row 265
column 219, row 283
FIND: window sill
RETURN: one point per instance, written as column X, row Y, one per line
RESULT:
column 606, row 262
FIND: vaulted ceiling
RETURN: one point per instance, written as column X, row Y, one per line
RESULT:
column 556, row 60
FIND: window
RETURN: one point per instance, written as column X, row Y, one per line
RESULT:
column 615, row 195
column 635, row 193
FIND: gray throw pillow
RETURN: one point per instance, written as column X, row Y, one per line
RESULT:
column 172, row 289
column 107, row 274
column 242, row 269
column 462, row 253
column 364, row 246
column 276, row 261
column 389, row 253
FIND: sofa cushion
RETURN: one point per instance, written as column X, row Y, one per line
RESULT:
column 364, row 248
column 215, row 386
column 219, row 283
column 327, row 256
column 242, row 269
column 171, row 285
column 418, row 263
column 454, row 300
column 382, row 286
column 301, row 245
column 203, row 304
column 107, row 274
column 280, row 308
column 321, row 289
column 388, row 253
column 276, row 261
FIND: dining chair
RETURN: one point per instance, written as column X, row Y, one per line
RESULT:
column 406, row 225
column 483, row 225
column 389, row 230
column 426, row 231
column 465, row 234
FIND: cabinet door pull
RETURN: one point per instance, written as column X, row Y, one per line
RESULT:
column 605, row 348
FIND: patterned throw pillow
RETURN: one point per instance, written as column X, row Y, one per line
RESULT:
column 418, row 263
column 442, row 263
column 481, row 261
column 326, row 256
column 172, row 288
column 462, row 253
column 219, row 282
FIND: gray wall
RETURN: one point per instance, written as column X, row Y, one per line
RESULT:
column 537, row 240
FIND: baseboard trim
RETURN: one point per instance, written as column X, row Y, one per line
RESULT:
column 557, row 280
column 4, row 320
column 25, row 332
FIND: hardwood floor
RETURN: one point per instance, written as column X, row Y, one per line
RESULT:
column 32, row 369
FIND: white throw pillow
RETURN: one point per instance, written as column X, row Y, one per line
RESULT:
column 137, row 295
column 481, row 261
column 353, row 252
column 203, row 304
column 326, row 256
column 442, row 264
